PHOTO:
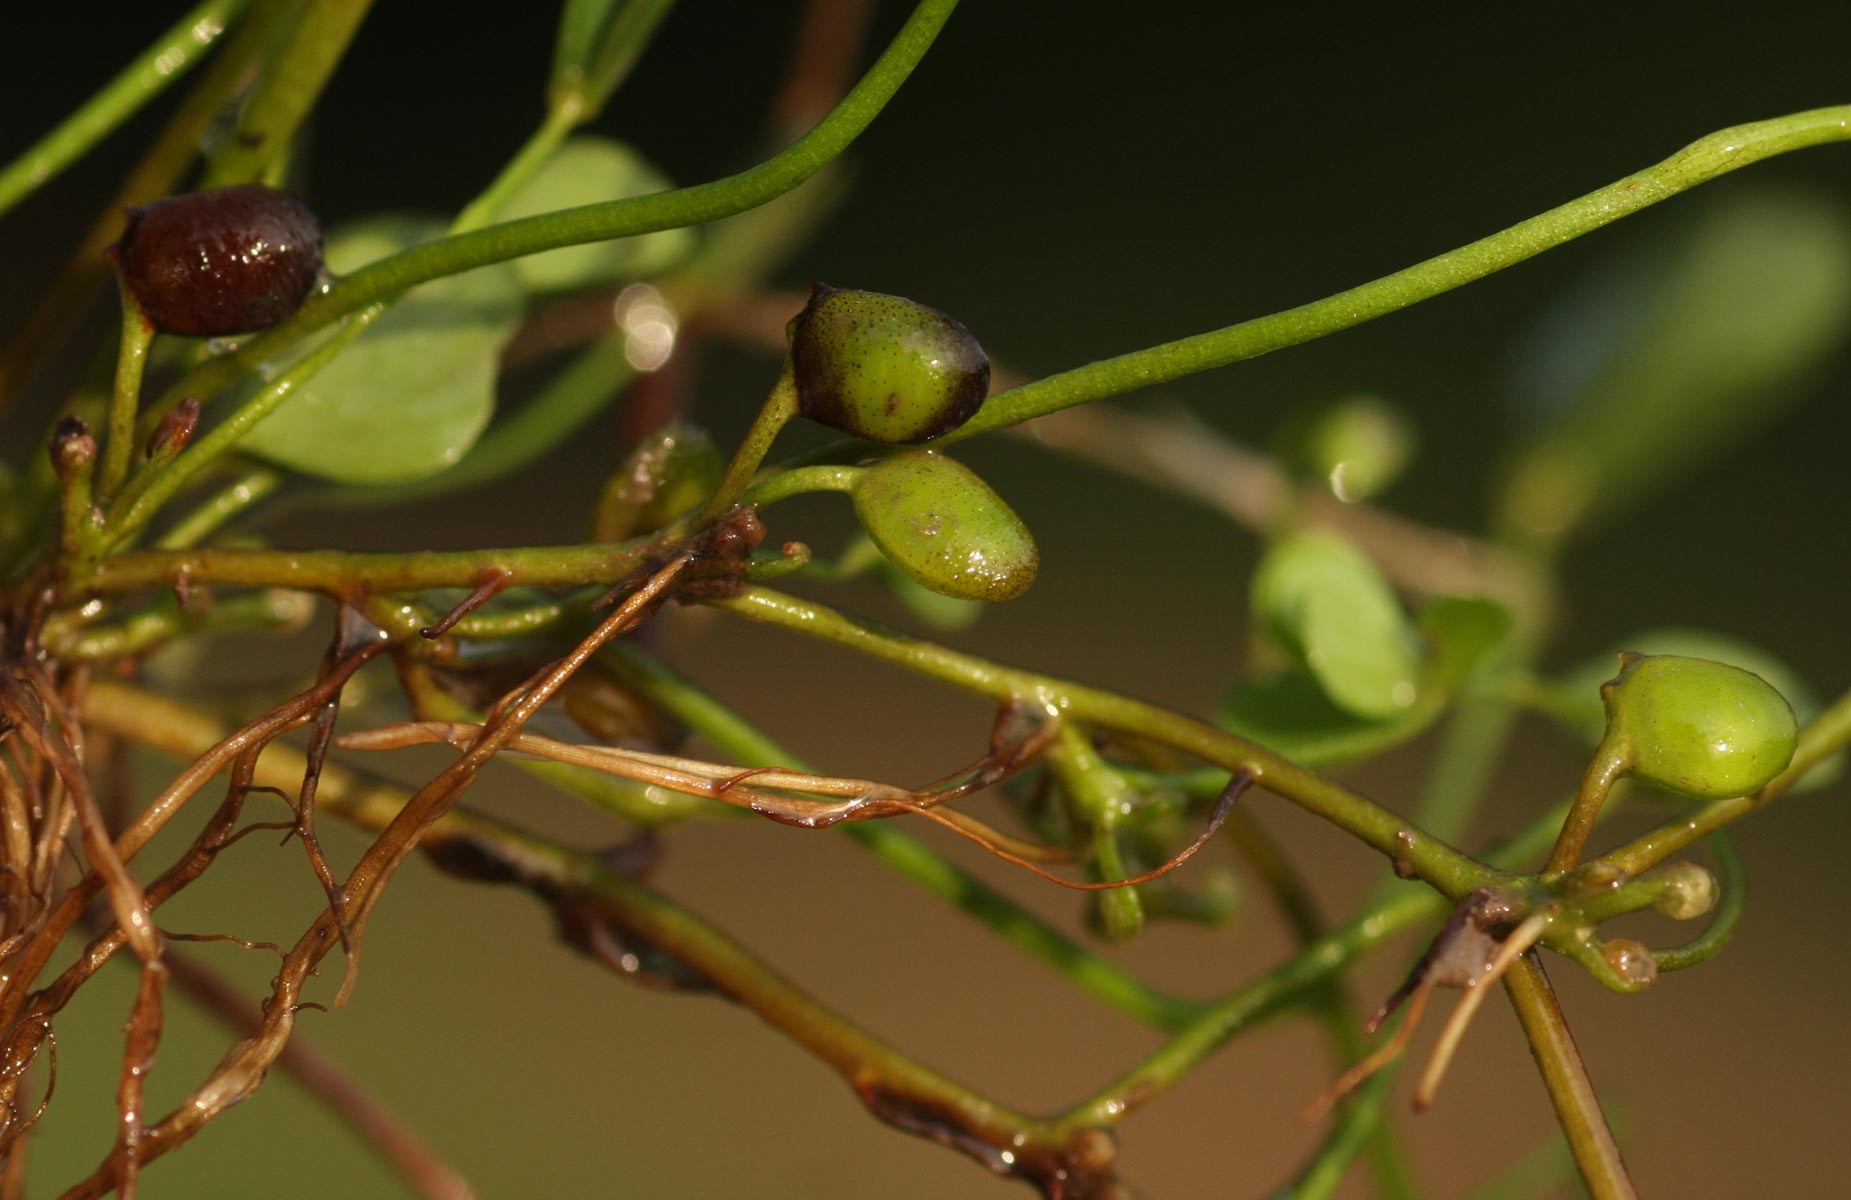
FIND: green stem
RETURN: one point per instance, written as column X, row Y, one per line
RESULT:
column 589, row 62
column 1446, row 868
column 162, row 64
column 1312, row 967
column 779, row 409
column 1732, row 878
column 1097, row 796
column 1719, row 153
column 125, row 399
column 346, row 574
column 152, row 488
column 238, row 496
column 628, row 217
column 165, row 621
column 299, row 68
column 785, row 484
column 1358, row 1122
column 526, row 162
column 1566, row 1077
column 744, row 744
column 1611, row 760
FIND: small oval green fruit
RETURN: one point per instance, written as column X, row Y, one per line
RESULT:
column 667, row 473
column 937, row 521
column 1697, row 727
column 885, row 368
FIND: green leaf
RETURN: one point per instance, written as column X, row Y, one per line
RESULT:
column 415, row 390
column 1291, row 714
column 1355, row 446
column 591, row 170
column 1574, row 698
column 1327, row 603
column 1666, row 357
column 1464, row 634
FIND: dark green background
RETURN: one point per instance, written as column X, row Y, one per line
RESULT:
column 1072, row 180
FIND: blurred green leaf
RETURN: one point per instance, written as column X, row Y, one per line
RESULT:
column 1326, row 602
column 1664, row 358
column 1355, row 446
column 1463, row 634
column 415, row 390
column 591, row 170
column 599, row 41
column 1574, row 698
column 1291, row 714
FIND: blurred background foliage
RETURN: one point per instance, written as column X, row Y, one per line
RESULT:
column 1070, row 181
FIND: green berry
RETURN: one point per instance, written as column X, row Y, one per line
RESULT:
column 937, row 521
column 1697, row 727
column 885, row 368
column 666, row 474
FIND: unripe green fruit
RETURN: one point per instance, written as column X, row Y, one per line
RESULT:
column 937, row 521
column 1697, row 727
column 669, row 472
column 885, row 368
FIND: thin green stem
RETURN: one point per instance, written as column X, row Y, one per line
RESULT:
column 345, row 574
column 525, row 164
column 628, row 217
column 1611, row 760
column 162, row 64
column 1732, row 878
column 249, row 488
column 779, row 409
column 1358, row 1122
column 125, row 398
column 299, row 68
column 165, row 621
column 1566, row 1077
column 151, row 489
column 1279, row 989
column 590, row 61
column 741, row 741
column 1719, row 153
column 785, row 484
column 1097, row 796
column 1449, row 870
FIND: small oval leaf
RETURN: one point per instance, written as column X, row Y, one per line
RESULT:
column 1328, row 604
column 591, row 170
column 415, row 390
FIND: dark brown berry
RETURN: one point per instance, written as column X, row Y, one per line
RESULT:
column 208, row 264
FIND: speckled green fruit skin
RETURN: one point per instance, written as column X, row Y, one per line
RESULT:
column 1697, row 727
column 937, row 521
column 885, row 368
